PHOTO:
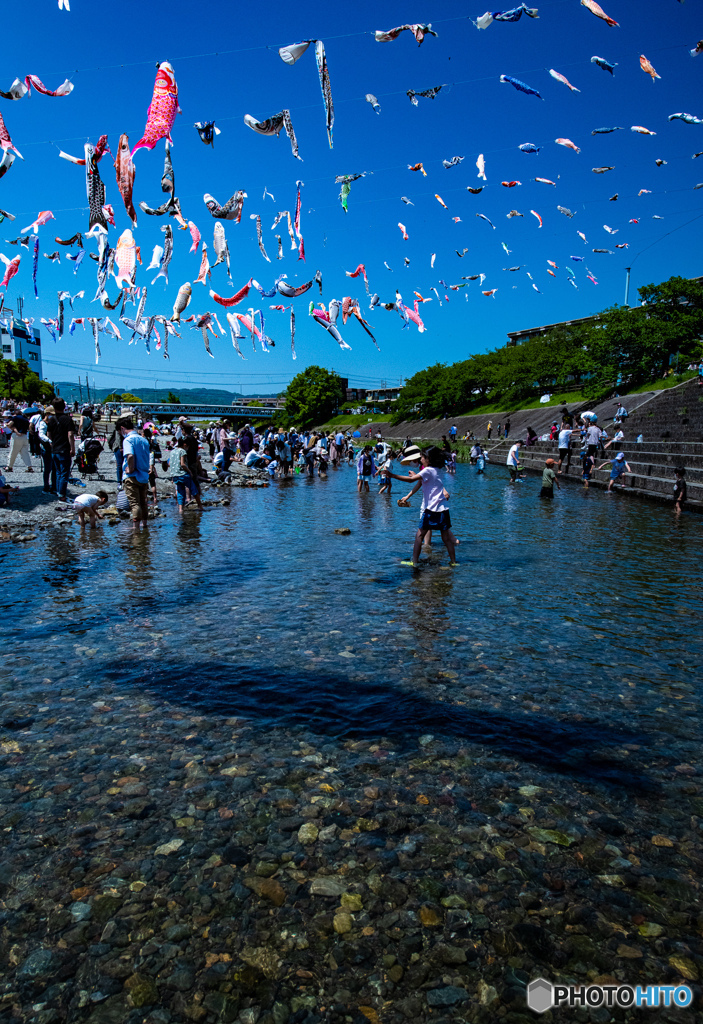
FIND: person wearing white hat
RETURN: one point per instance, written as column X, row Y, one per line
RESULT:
column 618, row 468
column 411, row 454
column 436, row 515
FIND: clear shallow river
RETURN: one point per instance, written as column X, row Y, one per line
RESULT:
column 569, row 636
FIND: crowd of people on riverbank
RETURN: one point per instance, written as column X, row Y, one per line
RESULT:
column 62, row 441
column 49, row 434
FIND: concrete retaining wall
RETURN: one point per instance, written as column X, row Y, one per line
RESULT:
column 539, row 419
column 652, row 466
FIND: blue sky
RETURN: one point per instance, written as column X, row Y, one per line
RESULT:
column 110, row 53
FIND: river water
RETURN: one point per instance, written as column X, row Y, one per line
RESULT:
column 569, row 630
column 252, row 770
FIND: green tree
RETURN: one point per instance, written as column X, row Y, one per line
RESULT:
column 126, row 397
column 313, row 396
column 620, row 346
column 674, row 321
column 173, row 399
column 114, row 396
column 18, row 381
column 427, row 393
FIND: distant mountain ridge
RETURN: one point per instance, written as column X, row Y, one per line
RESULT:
column 192, row 396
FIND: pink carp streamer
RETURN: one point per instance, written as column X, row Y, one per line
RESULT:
column 419, row 31
column 647, row 67
column 596, row 9
column 361, row 269
column 233, row 300
column 18, row 89
column 162, row 109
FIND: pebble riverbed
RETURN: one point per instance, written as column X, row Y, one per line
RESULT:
column 255, row 771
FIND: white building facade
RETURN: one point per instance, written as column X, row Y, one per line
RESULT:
column 21, row 342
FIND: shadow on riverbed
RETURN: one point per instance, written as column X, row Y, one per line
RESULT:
column 342, row 708
column 31, row 497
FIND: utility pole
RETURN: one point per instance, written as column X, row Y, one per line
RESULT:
column 87, row 387
column 80, row 390
column 627, row 286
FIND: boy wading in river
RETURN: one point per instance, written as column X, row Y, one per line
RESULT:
column 436, row 515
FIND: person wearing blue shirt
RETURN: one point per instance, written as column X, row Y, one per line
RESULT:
column 135, row 471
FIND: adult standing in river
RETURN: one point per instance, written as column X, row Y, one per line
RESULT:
column 309, row 453
column 513, row 461
column 179, row 472
column 333, row 450
column 62, row 432
column 284, row 453
column 135, row 471
column 192, row 450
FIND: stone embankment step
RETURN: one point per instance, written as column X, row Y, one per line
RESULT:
column 652, row 467
column 539, row 419
column 675, row 414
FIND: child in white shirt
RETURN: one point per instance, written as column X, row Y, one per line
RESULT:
column 89, row 503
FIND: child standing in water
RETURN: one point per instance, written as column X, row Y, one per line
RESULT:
column 436, row 515
column 365, row 468
column 384, row 473
column 549, row 478
column 589, row 463
column 680, row 489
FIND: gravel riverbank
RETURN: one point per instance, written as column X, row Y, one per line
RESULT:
column 164, row 866
column 32, row 510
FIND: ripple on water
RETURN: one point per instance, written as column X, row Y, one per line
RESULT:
column 567, row 630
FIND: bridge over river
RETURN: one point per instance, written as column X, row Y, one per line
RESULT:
column 150, row 410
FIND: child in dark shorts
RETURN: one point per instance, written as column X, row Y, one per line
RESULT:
column 588, row 464
column 680, row 489
column 549, row 478
column 433, row 518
